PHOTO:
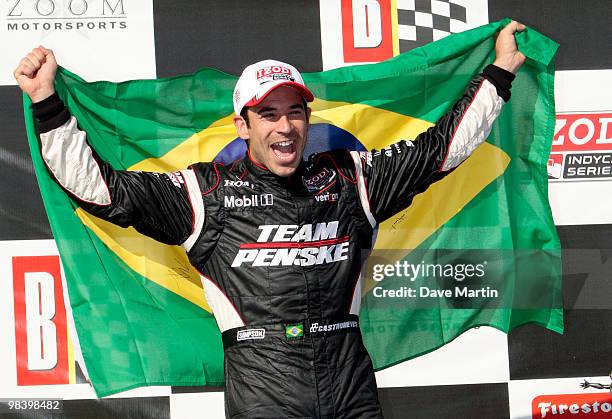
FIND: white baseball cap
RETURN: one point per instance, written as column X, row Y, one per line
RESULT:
column 259, row 79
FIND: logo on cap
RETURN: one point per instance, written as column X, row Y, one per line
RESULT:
column 259, row 79
column 272, row 73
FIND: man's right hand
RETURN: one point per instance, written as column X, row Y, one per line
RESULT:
column 35, row 74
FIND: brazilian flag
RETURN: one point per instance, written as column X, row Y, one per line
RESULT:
column 139, row 309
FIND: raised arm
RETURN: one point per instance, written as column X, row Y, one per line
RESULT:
column 166, row 207
column 389, row 179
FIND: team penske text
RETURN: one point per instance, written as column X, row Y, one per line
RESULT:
column 289, row 244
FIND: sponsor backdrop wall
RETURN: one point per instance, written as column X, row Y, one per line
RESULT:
column 483, row 373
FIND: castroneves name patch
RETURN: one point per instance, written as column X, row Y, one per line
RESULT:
column 286, row 245
column 321, row 328
column 249, row 334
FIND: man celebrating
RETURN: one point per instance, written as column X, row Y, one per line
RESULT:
column 277, row 240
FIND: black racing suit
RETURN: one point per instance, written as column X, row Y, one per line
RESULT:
column 279, row 258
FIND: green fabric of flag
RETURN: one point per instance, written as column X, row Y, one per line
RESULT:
column 139, row 323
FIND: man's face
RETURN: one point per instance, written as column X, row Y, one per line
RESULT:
column 277, row 130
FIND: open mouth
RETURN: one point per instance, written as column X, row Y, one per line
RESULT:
column 284, row 151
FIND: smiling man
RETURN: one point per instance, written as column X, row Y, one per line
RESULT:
column 271, row 113
column 277, row 240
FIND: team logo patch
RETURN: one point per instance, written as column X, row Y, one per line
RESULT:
column 320, row 180
column 249, row 334
column 293, row 331
column 293, row 245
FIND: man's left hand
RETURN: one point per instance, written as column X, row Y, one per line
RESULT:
column 507, row 55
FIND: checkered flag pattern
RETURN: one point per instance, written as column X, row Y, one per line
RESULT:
column 424, row 21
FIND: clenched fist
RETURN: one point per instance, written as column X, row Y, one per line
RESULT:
column 35, row 74
column 507, row 55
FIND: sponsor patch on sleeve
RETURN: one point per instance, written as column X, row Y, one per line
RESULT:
column 176, row 178
column 249, row 334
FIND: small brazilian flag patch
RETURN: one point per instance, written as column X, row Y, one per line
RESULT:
column 294, row 330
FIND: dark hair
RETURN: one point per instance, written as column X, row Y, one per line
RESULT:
column 245, row 114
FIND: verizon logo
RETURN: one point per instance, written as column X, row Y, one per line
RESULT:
column 286, row 245
column 327, row 197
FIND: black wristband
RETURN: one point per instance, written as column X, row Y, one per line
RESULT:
column 50, row 113
column 501, row 79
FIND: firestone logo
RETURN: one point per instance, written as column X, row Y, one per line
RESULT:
column 66, row 15
column 590, row 405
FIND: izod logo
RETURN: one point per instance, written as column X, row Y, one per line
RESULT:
column 318, row 181
column 275, row 69
column 583, row 132
column 582, row 147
